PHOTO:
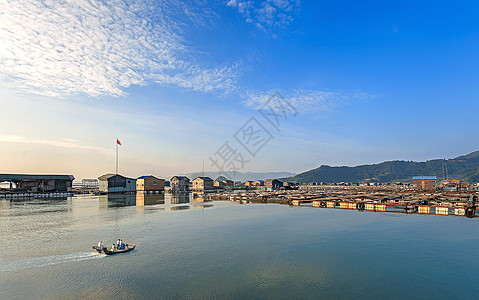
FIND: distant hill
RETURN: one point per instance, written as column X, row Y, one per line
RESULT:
column 463, row 168
column 240, row 176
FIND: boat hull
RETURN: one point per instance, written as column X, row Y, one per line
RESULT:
column 109, row 251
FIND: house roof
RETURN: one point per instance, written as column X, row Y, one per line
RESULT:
column 109, row 176
column 271, row 180
column 204, row 178
column 424, row 178
column 180, row 177
column 106, row 176
column 20, row 177
column 146, row 176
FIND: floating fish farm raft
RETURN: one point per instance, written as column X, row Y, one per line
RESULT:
column 363, row 199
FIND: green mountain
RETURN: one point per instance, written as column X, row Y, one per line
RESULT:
column 462, row 168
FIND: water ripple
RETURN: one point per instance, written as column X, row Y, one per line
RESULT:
column 36, row 262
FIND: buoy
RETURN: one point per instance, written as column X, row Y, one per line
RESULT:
column 470, row 211
column 322, row 204
column 360, row 206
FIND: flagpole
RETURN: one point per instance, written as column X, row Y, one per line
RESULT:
column 116, row 143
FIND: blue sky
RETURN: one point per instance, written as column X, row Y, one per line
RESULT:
column 174, row 80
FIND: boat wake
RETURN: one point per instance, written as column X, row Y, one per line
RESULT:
column 36, row 262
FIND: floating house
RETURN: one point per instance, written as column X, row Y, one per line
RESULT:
column 424, row 182
column 273, row 184
column 222, row 181
column 258, row 183
column 180, row 184
column 38, row 183
column 218, row 183
column 150, row 183
column 115, row 183
column 202, row 183
column 289, row 185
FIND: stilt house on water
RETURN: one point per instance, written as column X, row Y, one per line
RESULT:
column 273, row 184
column 222, row 182
column 180, row 184
column 38, row 183
column 202, row 184
column 115, row 183
column 150, row 183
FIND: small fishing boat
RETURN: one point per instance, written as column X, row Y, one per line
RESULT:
column 111, row 251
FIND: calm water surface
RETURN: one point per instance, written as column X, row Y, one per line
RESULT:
column 221, row 250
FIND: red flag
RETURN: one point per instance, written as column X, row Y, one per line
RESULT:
column 118, row 142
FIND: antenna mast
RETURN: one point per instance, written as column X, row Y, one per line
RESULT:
column 445, row 169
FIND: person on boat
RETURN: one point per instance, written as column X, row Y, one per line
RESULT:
column 122, row 246
column 113, row 247
column 99, row 244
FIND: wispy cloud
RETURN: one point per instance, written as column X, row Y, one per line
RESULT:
column 66, row 47
column 266, row 15
column 205, row 80
column 305, row 100
column 66, row 143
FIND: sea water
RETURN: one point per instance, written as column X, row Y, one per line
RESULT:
column 189, row 249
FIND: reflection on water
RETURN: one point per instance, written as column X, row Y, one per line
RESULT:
column 180, row 207
column 5, row 204
column 30, row 206
column 141, row 199
column 180, row 198
column 202, row 205
column 117, row 200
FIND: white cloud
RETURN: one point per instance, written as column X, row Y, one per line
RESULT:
column 205, row 80
column 305, row 100
column 266, row 14
column 65, row 47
